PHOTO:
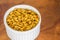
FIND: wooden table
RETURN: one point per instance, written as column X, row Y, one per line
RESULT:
column 50, row 12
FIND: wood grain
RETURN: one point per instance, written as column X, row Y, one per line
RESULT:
column 50, row 12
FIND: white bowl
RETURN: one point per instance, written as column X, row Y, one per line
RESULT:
column 25, row 35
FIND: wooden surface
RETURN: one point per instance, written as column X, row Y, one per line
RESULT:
column 50, row 12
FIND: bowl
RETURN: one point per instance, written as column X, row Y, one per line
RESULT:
column 25, row 35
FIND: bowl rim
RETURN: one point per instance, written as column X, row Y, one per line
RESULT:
column 9, row 10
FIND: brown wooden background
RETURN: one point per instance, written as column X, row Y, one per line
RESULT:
column 50, row 12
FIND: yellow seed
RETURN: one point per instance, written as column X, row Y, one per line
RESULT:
column 11, row 13
column 14, row 23
column 29, row 11
column 19, row 16
column 27, row 28
column 22, row 28
column 29, row 22
column 36, row 19
column 25, row 18
column 25, row 24
column 16, row 27
column 18, row 9
column 28, row 19
column 32, row 13
column 10, row 16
